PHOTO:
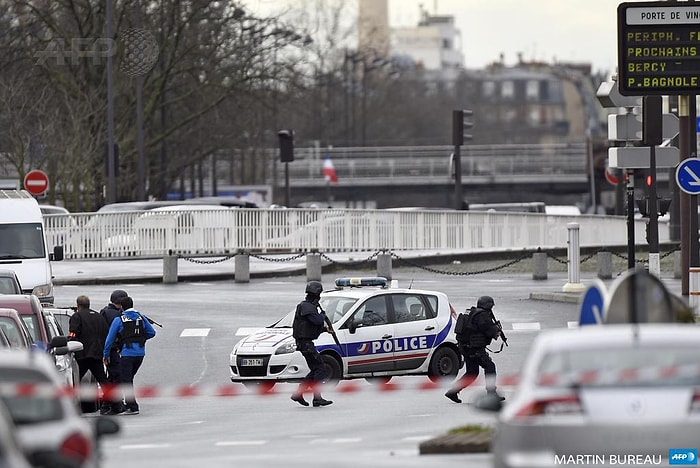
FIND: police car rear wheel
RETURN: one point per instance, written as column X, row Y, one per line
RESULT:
column 445, row 363
column 333, row 369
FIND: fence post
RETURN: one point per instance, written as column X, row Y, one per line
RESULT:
column 605, row 265
column 694, row 299
column 574, row 260
column 384, row 265
column 539, row 266
column 313, row 266
column 170, row 268
column 241, row 273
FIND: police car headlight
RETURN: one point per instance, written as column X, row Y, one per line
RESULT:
column 286, row 348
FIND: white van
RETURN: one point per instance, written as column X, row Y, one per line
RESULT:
column 23, row 244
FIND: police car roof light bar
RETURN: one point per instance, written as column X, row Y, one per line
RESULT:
column 361, row 281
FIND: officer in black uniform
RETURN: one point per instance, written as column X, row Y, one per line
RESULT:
column 308, row 325
column 486, row 328
column 110, row 312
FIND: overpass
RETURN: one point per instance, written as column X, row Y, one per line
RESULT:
column 387, row 177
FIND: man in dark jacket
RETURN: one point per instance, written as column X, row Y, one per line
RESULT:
column 485, row 328
column 90, row 328
column 308, row 325
column 110, row 312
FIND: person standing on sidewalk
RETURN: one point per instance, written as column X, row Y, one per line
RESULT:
column 479, row 329
column 110, row 312
column 307, row 326
column 132, row 330
column 90, row 328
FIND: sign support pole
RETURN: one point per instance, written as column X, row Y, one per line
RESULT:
column 683, row 146
column 631, row 263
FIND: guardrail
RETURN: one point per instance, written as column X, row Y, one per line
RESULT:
column 227, row 231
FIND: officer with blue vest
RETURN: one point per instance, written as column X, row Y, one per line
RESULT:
column 132, row 329
column 308, row 325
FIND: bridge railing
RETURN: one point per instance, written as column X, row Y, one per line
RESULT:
column 230, row 231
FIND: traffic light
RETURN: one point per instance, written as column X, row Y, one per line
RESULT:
column 286, row 145
column 459, row 125
column 652, row 127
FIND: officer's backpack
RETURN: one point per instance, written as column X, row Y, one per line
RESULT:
column 465, row 327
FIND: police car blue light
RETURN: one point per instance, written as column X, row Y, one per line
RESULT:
column 362, row 281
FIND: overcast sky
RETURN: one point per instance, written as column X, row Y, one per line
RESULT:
column 545, row 30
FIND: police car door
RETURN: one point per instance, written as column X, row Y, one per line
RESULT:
column 370, row 347
column 415, row 329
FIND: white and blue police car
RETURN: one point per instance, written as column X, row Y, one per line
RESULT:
column 383, row 331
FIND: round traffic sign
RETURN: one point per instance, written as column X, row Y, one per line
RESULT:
column 36, row 182
column 688, row 176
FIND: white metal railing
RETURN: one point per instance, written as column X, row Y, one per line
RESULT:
column 228, row 231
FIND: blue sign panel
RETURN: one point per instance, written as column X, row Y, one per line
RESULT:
column 688, row 176
column 592, row 305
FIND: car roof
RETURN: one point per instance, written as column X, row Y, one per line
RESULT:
column 18, row 302
column 33, row 359
column 594, row 336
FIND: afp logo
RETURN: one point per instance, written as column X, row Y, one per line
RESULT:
column 683, row 456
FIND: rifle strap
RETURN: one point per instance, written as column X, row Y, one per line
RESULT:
column 495, row 352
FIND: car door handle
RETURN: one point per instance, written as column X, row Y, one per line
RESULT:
column 386, row 337
column 428, row 328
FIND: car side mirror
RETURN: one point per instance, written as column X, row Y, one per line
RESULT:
column 57, row 254
column 352, row 326
column 58, row 342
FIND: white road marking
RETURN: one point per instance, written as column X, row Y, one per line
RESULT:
column 245, row 331
column 572, row 324
column 237, row 443
column 195, row 332
column 526, row 326
column 416, row 438
column 144, row 446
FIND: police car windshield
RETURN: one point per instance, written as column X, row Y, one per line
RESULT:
column 336, row 307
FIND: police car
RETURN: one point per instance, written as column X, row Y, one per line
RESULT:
column 383, row 331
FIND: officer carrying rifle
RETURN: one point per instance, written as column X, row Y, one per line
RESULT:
column 475, row 330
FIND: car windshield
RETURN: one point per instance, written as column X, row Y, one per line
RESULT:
column 8, row 286
column 33, row 326
column 335, row 306
column 617, row 366
column 24, row 240
column 29, row 409
column 12, row 331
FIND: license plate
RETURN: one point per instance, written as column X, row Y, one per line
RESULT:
column 251, row 362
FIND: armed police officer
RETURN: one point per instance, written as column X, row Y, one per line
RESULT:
column 480, row 327
column 110, row 312
column 308, row 325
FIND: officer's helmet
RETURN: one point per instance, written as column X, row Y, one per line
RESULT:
column 314, row 287
column 485, row 302
column 117, row 296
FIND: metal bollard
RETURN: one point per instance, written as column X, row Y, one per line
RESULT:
column 694, row 293
column 574, row 258
column 170, row 269
column 605, row 265
column 241, row 273
column 384, row 265
column 539, row 266
column 313, row 267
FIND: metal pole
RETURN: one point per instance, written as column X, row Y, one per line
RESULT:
column 693, row 143
column 287, row 191
column 139, row 120
column 630, row 221
column 654, row 264
column 684, row 150
column 459, row 201
column 111, row 166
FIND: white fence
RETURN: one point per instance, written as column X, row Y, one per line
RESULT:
column 227, row 231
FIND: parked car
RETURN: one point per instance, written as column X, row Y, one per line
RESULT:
column 4, row 340
column 43, row 328
column 383, row 331
column 15, row 329
column 11, row 453
column 49, row 423
column 9, row 283
column 602, row 391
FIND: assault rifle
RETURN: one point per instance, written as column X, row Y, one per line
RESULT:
column 503, row 335
column 329, row 325
column 153, row 322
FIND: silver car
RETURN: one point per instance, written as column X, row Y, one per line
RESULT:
column 604, row 394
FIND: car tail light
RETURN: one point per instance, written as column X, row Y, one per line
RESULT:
column 77, row 447
column 570, row 404
column 695, row 403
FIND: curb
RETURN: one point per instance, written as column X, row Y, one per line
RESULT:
column 470, row 442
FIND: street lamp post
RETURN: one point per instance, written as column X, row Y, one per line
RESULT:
column 111, row 166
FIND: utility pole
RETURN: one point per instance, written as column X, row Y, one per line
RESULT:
column 458, row 138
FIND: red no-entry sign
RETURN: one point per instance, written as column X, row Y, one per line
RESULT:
column 36, row 182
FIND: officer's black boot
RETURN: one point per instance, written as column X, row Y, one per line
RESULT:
column 320, row 401
column 453, row 395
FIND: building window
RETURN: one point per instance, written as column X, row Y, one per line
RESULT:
column 488, row 88
column 532, row 90
column 507, row 90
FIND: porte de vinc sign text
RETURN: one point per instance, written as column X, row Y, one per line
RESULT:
column 658, row 48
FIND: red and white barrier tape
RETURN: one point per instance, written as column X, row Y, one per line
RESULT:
column 115, row 392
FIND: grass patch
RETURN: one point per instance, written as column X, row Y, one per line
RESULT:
column 471, row 428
